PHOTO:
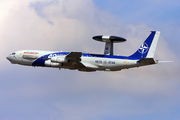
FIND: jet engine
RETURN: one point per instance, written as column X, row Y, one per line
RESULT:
column 52, row 64
column 59, row 59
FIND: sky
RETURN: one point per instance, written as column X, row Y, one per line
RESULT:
column 150, row 92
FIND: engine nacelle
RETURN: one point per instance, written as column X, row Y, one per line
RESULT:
column 52, row 64
column 59, row 59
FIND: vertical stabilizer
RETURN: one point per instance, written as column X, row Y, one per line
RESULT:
column 148, row 47
column 152, row 48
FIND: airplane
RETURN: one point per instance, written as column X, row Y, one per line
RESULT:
column 91, row 62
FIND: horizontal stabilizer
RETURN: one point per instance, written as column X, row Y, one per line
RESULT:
column 147, row 61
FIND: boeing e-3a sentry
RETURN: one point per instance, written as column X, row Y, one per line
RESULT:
column 91, row 62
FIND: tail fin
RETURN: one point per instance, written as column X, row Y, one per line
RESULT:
column 148, row 47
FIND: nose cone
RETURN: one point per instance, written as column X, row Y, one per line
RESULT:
column 10, row 59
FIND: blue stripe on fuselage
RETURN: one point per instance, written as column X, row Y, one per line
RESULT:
column 108, row 56
column 41, row 61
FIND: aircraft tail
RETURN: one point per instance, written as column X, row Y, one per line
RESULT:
column 148, row 47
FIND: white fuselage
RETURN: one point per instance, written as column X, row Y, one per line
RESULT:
column 91, row 62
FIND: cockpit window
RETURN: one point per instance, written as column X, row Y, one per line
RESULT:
column 13, row 53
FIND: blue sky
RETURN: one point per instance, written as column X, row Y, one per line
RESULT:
column 149, row 93
column 160, row 15
column 142, row 11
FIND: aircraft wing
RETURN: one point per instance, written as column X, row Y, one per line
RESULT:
column 75, row 60
column 88, row 65
column 74, row 56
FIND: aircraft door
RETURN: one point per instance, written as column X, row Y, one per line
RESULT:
column 125, row 62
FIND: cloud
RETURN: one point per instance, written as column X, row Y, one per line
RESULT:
column 66, row 94
column 72, row 29
column 69, row 26
column 39, row 6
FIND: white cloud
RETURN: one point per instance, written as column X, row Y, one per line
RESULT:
column 26, row 26
column 68, row 25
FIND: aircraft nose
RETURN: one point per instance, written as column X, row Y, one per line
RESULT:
column 8, row 57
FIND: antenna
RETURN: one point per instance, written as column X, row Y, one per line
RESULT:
column 108, row 50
